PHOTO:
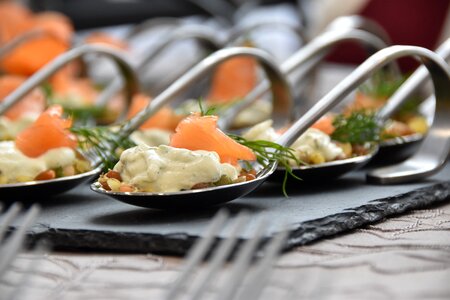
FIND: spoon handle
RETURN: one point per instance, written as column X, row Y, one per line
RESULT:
column 59, row 62
column 280, row 87
column 207, row 37
column 433, row 152
column 411, row 85
column 302, row 61
column 437, row 67
column 19, row 40
column 359, row 22
column 241, row 31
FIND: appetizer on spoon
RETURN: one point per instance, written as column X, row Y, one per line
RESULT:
column 48, row 172
column 219, row 194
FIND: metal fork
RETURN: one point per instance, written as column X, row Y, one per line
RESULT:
column 10, row 244
column 249, row 270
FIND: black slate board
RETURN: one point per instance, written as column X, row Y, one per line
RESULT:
column 84, row 220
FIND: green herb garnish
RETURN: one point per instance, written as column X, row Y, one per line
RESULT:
column 382, row 85
column 267, row 152
column 358, row 128
column 104, row 142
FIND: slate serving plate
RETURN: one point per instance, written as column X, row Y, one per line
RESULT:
column 84, row 220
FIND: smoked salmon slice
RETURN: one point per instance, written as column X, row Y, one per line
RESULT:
column 233, row 80
column 165, row 118
column 31, row 104
column 325, row 124
column 34, row 53
column 201, row 133
column 49, row 131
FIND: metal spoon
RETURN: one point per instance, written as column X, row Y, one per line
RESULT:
column 435, row 147
column 59, row 185
column 207, row 37
column 280, row 92
column 216, row 195
column 302, row 62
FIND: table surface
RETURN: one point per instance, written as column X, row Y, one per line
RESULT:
column 404, row 257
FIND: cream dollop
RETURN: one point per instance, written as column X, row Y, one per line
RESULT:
column 310, row 147
column 151, row 137
column 9, row 129
column 169, row 169
column 17, row 167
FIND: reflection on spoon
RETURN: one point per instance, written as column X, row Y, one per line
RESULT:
column 215, row 195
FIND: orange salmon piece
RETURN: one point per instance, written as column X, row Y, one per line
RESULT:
column 201, row 133
column 33, row 55
column 49, row 131
column 325, row 124
column 233, row 79
column 54, row 23
column 31, row 104
column 165, row 118
column 14, row 20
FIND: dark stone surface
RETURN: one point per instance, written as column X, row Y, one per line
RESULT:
column 84, row 220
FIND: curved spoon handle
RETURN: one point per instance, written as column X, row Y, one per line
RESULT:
column 305, row 59
column 280, row 87
column 207, row 37
column 238, row 32
column 19, row 40
column 435, row 148
column 150, row 24
column 411, row 85
column 56, row 64
column 437, row 67
column 359, row 22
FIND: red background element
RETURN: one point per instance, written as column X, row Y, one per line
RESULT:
column 408, row 22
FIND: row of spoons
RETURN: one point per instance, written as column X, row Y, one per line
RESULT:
column 202, row 197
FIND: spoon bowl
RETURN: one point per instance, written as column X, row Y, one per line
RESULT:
column 325, row 171
column 189, row 199
column 40, row 189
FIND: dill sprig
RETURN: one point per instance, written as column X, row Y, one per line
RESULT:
column 104, row 142
column 357, row 128
column 382, row 85
column 268, row 152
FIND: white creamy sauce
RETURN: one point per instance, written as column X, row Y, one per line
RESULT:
column 151, row 137
column 9, row 129
column 16, row 166
column 255, row 113
column 316, row 141
column 262, row 131
column 313, row 141
column 169, row 169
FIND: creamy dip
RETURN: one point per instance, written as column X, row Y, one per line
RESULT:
column 9, row 128
column 151, row 137
column 17, row 167
column 312, row 143
column 169, row 169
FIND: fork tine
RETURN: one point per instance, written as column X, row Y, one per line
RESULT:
column 9, row 249
column 224, row 250
column 242, row 262
column 197, row 253
column 9, row 216
column 259, row 276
